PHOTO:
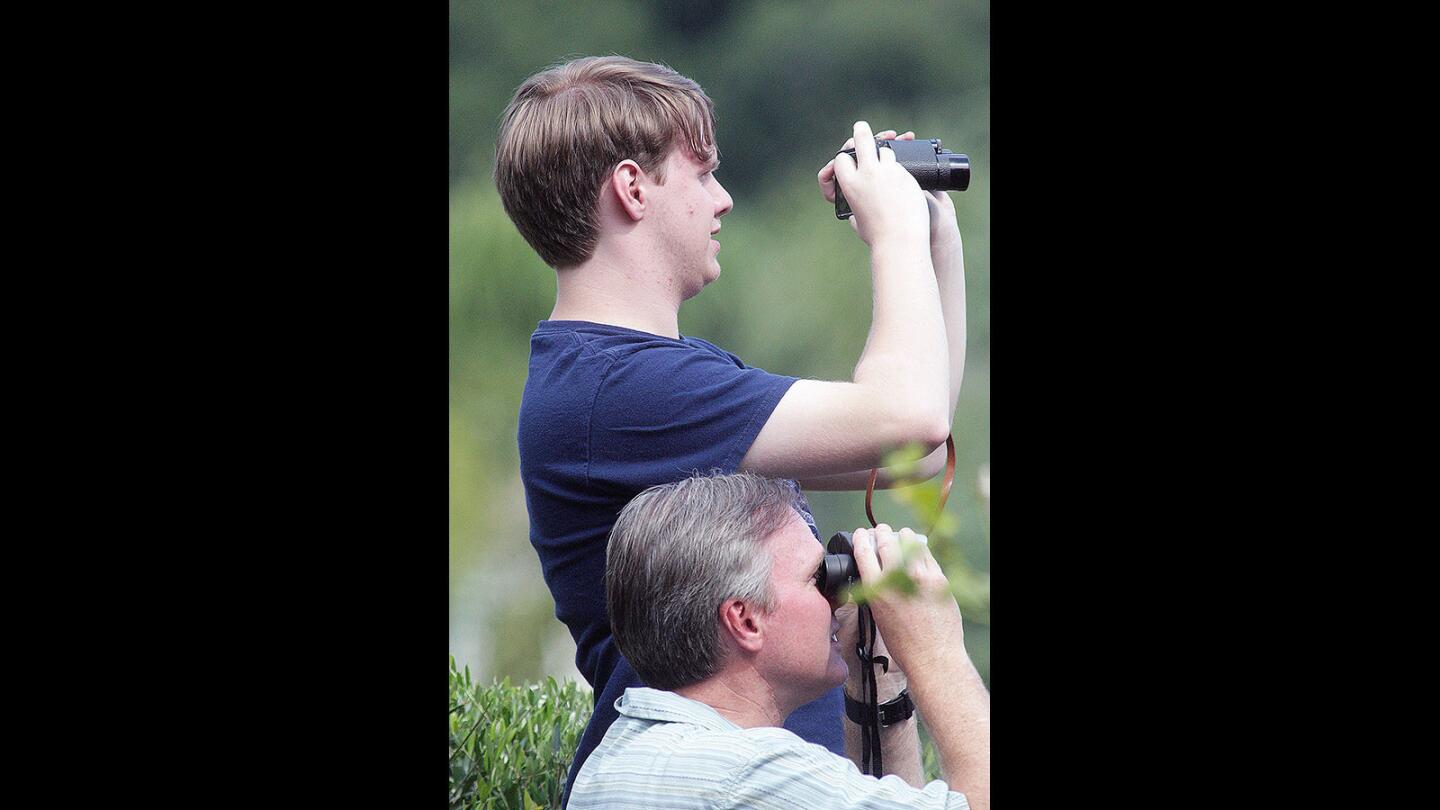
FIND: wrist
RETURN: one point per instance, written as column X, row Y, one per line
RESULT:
column 887, row 685
column 946, row 238
column 893, row 712
column 896, row 262
column 900, row 244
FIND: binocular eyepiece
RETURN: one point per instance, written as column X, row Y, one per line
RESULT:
column 933, row 167
column 837, row 569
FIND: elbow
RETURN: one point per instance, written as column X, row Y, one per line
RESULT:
column 927, row 430
column 930, row 430
column 937, row 432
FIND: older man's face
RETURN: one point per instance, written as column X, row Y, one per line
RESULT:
column 798, row 632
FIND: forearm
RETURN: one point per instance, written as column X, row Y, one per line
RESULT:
column 956, row 707
column 899, row 742
column 899, row 748
column 900, row 476
column 906, row 354
column 948, row 256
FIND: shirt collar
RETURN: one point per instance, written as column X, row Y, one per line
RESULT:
column 643, row 703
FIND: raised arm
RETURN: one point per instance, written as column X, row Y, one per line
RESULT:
column 900, row 393
column 948, row 257
column 927, row 638
column 899, row 742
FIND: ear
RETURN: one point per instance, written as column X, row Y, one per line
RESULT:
column 627, row 183
column 743, row 623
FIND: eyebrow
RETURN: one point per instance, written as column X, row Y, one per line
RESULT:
column 712, row 165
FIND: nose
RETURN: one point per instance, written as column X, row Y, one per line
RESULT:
column 723, row 202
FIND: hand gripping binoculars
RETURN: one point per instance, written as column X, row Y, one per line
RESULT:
column 837, row 568
column 933, row 167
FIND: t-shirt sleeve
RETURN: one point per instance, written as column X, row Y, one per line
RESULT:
column 799, row 774
column 668, row 412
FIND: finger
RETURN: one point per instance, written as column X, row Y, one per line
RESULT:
column 931, row 564
column 863, row 545
column 886, row 155
column 912, row 544
column 887, row 547
column 864, row 157
column 917, row 567
column 888, row 135
column 844, row 168
column 909, row 136
column 827, row 181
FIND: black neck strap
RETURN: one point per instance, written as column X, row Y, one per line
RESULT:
column 869, row 697
column 871, row 761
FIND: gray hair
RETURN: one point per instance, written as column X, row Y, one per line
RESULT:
column 676, row 553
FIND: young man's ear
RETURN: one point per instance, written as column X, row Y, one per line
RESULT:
column 627, row 182
column 742, row 622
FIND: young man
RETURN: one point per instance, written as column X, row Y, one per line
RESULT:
column 711, row 586
column 607, row 168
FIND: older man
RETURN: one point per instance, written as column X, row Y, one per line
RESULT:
column 713, row 599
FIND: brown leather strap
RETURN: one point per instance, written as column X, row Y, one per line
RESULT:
column 944, row 488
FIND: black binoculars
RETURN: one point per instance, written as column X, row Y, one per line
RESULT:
column 837, row 569
column 933, row 167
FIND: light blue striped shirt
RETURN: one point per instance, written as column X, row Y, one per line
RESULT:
column 667, row 751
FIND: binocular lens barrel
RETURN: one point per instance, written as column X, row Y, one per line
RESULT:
column 837, row 571
column 933, row 167
column 959, row 166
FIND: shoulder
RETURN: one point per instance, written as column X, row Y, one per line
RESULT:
column 688, row 766
column 710, row 348
column 786, row 771
column 643, row 761
column 684, row 369
column 591, row 339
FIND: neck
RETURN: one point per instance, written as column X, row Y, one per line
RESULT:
column 741, row 696
column 619, row 288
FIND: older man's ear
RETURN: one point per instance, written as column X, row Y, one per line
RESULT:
column 742, row 622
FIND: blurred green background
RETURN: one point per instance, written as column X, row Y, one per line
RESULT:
column 788, row 81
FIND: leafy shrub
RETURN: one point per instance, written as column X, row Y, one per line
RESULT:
column 511, row 746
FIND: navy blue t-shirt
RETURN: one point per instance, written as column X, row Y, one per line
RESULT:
column 607, row 413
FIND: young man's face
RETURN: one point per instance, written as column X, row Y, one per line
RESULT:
column 798, row 630
column 690, row 205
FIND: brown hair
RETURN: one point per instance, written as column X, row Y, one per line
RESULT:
column 569, row 125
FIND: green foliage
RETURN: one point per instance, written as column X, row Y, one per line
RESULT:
column 510, row 746
column 970, row 587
